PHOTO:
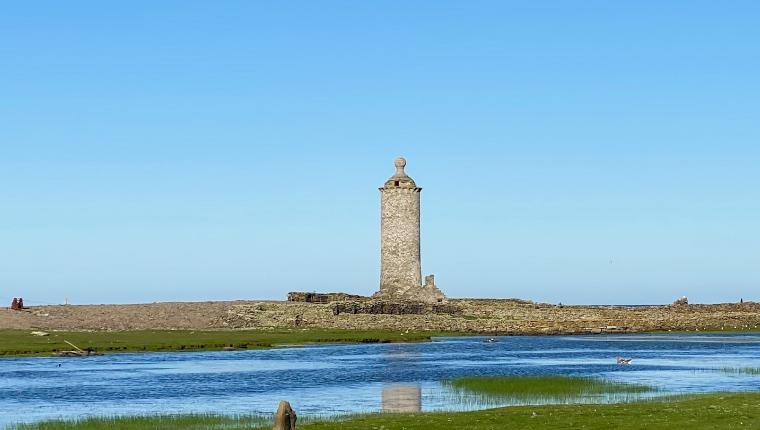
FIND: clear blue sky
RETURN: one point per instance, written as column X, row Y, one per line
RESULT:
column 573, row 151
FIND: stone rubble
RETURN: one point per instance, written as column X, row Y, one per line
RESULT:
column 461, row 315
column 499, row 317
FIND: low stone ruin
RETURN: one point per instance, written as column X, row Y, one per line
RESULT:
column 428, row 293
column 297, row 296
column 383, row 307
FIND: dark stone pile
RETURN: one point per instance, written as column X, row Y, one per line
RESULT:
column 324, row 298
column 382, row 307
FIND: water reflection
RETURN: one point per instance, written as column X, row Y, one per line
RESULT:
column 400, row 361
column 346, row 379
column 402, row 398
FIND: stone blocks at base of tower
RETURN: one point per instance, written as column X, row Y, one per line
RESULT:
column 427, row 293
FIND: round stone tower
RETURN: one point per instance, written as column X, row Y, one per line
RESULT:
column 399, row 233
column 400, row 269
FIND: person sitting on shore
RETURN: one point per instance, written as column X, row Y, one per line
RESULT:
column 14, row 304
column 20, row 303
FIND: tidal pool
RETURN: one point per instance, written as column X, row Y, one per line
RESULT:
column 328, row 380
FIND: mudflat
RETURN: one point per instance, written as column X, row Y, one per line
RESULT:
column 458, row 315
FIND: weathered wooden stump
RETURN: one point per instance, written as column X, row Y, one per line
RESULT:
column 285, row 417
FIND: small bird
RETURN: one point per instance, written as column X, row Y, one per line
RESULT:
column 624, row 361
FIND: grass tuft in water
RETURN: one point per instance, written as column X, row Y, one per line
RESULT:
column 742, row 370
column 543, row 389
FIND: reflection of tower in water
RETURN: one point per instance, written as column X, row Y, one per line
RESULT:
column 399, row 396
column 402, row 398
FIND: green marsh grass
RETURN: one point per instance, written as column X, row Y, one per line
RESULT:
column 170, row 422
column 545, row 389
column 23, row 343
column 697, row 412
column 167, row 422
column 741, row 370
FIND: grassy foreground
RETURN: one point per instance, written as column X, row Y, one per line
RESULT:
column 713, row 411
column 22, row 342
column 168, row 422
column 730, row 411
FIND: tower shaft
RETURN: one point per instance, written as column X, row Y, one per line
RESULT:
column 400, row 266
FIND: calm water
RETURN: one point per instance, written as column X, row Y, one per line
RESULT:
column 337, row 379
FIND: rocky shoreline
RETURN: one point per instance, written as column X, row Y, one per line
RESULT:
column 504, row 317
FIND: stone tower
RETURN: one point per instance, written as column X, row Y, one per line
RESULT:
column 400, row 269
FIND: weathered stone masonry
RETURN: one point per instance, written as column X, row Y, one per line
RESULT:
column 399, row 232
column 400, row 262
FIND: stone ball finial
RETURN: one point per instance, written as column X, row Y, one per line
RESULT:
column 400, row 179
column 400, row 162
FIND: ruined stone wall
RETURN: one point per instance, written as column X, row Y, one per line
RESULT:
column 383, row 307
column 399, row 238
column 299, row 296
